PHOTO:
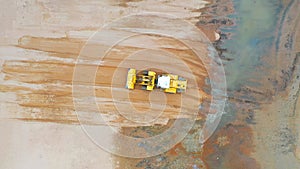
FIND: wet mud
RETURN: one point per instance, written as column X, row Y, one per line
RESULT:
column 230, row 147
column 246, row 101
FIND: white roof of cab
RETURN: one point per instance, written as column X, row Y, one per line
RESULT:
column 163, row 82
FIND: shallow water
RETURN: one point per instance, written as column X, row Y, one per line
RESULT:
column 252, row 37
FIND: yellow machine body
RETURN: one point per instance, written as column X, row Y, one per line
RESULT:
column 172, row 83
column 131, row 79
column 147, row 79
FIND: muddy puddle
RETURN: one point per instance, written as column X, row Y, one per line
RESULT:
column 250, row 40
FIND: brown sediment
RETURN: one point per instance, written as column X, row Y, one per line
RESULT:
column 38, row 72
column 231, row 146
column 123, row 3
column 214, row 16
column 52, row 45
column 176, row 157
column 233, row 152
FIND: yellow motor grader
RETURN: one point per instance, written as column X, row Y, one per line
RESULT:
column 149, row 79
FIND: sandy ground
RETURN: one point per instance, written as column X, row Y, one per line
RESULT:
column 41, row 42
column 38, row 61
column 48, row 145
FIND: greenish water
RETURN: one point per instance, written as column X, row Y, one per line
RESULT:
column 252, row 38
